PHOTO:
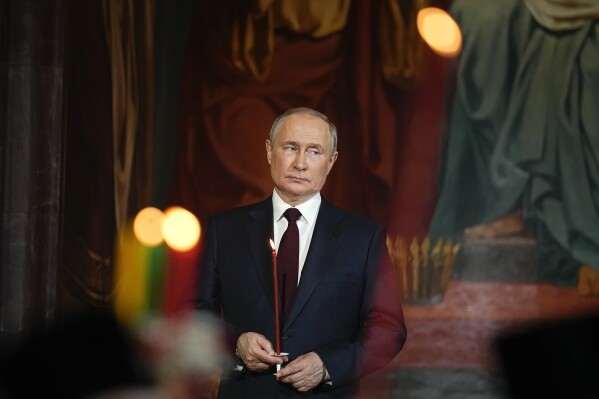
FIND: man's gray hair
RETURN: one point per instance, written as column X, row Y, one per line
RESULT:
column 276, row 126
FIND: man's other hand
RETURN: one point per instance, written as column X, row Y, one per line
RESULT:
column 304, row 373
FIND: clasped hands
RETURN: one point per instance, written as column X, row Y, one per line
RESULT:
column 304, row 373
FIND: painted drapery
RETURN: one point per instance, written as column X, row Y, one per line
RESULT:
column 245, row 66
column 109, row 117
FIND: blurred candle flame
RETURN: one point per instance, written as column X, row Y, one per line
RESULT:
column 180, row 228
column 147, row 226
column 439, row 31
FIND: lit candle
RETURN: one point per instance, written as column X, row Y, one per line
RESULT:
column 130, row 290
column 181, row 231
column 276, row 296
column 156, row 275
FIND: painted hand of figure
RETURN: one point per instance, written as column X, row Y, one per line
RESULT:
column 304, row 373
column 256, row 352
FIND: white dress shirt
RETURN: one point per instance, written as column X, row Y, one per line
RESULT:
column 305, row 224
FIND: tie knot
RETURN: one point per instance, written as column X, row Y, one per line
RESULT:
column 292, row 214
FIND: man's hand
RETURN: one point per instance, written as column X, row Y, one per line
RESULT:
column 256, row 352
column 304, row 373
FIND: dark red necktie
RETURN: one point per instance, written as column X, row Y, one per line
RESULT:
column 288, row 258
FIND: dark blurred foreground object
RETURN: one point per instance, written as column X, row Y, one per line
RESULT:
column 558, row 359
column 83, row 356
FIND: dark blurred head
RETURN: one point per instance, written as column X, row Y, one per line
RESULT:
column 558, row 359
column 82, row 356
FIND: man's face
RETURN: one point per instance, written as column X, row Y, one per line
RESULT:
column 300, row 158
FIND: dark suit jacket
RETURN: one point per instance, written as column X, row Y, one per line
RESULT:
column 347, row 308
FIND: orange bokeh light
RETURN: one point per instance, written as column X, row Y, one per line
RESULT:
column 439, row 31
column 147, row 226
column 180, row 228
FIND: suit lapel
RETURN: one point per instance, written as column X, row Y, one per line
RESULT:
column 323, row 246
column 258, row 231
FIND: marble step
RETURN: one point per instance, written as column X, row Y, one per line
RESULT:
column 460, row 331
column 419, row 383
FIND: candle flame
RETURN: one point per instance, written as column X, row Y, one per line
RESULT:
column 440, row 31
column 181, row 229
column 272, row 244
column 147, row 226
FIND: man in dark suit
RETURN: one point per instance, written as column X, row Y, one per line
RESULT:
column 345, row 318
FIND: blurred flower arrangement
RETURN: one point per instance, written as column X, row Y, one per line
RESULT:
column 185, row 353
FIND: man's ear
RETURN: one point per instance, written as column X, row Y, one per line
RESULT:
column 332, row 161
column 268, row 151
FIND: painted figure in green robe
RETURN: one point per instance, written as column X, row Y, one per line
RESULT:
column 523, row 139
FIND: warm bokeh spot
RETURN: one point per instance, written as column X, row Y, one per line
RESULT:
column 440, row 31
column 180, row 228
column 147, row 226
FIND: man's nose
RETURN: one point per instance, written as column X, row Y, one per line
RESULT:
column 299, row 162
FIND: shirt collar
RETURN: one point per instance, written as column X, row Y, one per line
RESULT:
column 309, row 209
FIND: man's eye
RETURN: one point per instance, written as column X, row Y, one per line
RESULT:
column 289, row 148
column 313, row 151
